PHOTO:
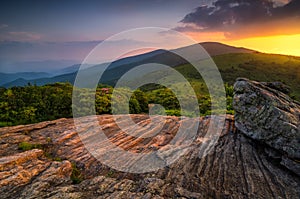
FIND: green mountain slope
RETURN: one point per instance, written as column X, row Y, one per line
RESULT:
column 255, row 66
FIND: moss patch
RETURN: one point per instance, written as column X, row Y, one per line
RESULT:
column 25, row 146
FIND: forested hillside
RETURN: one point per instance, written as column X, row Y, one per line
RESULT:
column 30, row 104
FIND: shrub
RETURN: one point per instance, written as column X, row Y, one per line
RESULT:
column 173, row 112
column 76, row 175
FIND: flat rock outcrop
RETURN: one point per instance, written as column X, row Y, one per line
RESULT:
column 49, row 159
column 237, row 167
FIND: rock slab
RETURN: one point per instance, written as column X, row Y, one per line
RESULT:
column 268, row 115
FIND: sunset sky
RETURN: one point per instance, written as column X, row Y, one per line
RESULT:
column 67, row 30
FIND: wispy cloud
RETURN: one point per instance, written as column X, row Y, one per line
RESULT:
column 2, row 26
column 8, row 34
column 22, row 36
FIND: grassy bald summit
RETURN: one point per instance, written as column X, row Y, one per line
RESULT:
column 215, row 48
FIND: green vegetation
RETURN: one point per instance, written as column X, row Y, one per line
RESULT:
column 76, row 175
column 110, row 173
column 105, row 96
column 48, row 154
column 25, row 146
column 254, row 66
column 29, row 104
column 261, row 67
column 57, row 159
column 166, row 98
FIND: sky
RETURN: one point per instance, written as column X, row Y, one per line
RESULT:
column 66, row 31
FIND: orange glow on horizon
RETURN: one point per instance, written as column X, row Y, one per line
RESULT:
column 277, row 44
column 282, row 44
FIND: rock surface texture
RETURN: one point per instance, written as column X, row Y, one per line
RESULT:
column 270, row 117
column 257, row 160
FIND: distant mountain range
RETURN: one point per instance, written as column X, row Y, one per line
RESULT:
column 46, row 66
column 9, row 77
column 116, row 69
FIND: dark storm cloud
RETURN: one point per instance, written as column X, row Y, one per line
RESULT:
column 231, row 15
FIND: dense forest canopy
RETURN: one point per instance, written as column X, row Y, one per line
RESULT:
column 31, row 103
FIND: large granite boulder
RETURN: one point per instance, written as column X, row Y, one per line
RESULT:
column 264, row 112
